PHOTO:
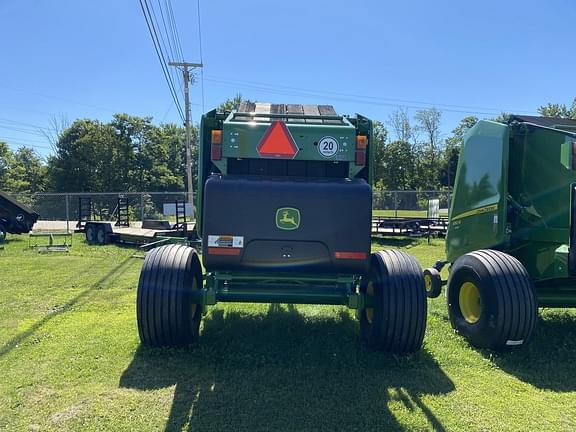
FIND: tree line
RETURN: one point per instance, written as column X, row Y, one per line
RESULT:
column 130, row 153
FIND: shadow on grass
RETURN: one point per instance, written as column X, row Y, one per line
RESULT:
column 396, row 241
column 547, row 362
column 286, row 371
column 19, row 338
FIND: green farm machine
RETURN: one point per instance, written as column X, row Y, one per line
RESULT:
column 284, row 209
column 511, row 241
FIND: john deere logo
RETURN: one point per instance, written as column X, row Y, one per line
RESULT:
column 288, row 218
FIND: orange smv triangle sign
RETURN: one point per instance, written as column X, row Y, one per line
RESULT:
column 277, row 142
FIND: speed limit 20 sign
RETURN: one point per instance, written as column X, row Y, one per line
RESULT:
column 328, row 146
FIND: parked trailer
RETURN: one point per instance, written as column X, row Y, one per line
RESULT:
column 15, row 217
column 150, row 233
column 409, row 226
column 104, row 232
column 284, row 210
column 511, row 241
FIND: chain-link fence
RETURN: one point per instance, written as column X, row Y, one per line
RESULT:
column 104, row 206
column 409, row 203
column 161, row 205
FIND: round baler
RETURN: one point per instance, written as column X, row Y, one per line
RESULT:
column 283, row 208
column 510, row 240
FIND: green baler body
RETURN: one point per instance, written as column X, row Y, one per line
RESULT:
column 514, row 192
column 241, row 133
column 241, row 163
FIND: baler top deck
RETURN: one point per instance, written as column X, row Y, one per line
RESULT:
column 313, row 133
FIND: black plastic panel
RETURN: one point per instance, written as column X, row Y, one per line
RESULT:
column 335, row 218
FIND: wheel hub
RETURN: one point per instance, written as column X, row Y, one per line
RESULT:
column 428, row 282
column 470, row 302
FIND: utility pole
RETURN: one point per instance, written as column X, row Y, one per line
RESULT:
column 185, row 68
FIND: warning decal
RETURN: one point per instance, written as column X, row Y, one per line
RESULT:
column 225, row 241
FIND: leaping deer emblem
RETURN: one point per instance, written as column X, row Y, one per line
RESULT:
column 288, row 219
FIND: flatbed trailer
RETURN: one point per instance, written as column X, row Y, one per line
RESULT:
column 409, row 226
column 105, row 232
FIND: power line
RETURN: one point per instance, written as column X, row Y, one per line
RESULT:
column 174, row 28
column 160, row 55
column 36, row 141
column 166, row 31
column 58, row 98
column 11, row 141
column 364, row 99
column 19, row 123
column 201, row 59
column 161, row 39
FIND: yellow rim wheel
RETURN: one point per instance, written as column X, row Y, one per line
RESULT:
column 369, row 311
column 428, row 282
column 470, row 302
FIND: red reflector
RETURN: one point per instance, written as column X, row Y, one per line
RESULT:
column 224, row 251
column 360, row 158
column 216, row 136
column 277, row 142
column 351, row 255
column 216, row 152
column 361, row 142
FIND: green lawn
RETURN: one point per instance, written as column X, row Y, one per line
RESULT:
column 70, row 360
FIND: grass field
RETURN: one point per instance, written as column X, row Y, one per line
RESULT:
column 70, row 360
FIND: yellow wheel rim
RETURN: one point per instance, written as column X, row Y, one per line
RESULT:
column 369, row 312
column 470, row 302
column 428, row 282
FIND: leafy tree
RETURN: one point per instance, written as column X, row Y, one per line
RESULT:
column 6, row 160
column 428, row 152
column 85, row 158
column 398, row 166
column 380, row 136
column 162, row 159
column 231, row 104
column 558, row 110
column 451, row 152
column 503, row 117
column 27, row 173
column 399, row 121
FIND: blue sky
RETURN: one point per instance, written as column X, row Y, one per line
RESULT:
column 90, row 59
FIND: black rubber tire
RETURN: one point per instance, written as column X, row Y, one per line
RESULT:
column 507, row 300
column 101, row 235
column 398, row 315
column 432, row 282
column 165, row 312
column 90, row 233
column 2, row 233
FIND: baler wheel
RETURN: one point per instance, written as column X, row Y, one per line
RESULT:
column 166, row 314
column 491, row 300
column 395, row 320
column 432, row 282
column 2, row 233
column 90, row 234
